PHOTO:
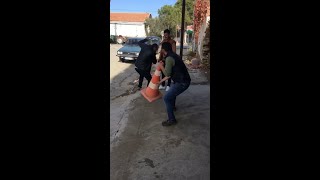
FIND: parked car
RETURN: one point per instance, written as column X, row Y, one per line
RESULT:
column 130, row 50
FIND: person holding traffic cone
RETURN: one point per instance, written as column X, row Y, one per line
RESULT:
column 166, row 38
column 178, row 72
column 152, row 93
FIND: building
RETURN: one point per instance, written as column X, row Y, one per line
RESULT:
column 187, row 36
column 128, row 24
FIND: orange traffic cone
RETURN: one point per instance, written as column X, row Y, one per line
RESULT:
column 152, row 93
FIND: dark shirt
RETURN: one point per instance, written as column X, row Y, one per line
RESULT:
column 146, row 57
column 179, row 72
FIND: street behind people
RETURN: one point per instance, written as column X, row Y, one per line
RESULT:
column 166, row 38
column 146, row 57
column 178, row 72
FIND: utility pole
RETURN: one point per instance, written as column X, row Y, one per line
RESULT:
column 177, row 31
column 182, row 27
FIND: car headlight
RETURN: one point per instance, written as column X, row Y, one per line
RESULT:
column 119, row 52
column 137, row 54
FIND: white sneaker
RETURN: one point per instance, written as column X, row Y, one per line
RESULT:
column 161, row 87
column 168, row 87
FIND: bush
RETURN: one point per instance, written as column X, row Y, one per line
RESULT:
column 191, row 54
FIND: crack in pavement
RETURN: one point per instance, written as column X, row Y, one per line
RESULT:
column 127, row 93
column 130, row 90
column 120, row 117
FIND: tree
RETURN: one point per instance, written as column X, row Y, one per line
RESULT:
column 170, row 16
column 153, row 24
column 188, row 9
column 200, row 11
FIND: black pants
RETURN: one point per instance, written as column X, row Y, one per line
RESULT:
column 143, row 74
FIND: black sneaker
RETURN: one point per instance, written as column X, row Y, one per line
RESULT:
column 169, row 123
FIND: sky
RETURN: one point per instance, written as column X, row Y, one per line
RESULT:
column 149, row 6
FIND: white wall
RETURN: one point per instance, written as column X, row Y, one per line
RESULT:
column 112, row 29
column 134, row 29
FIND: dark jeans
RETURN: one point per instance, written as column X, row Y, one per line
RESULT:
column 164, row 83
column 171, row 95
column 143, row 74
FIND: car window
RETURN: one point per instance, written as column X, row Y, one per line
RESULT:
column 154, row 40
column 133, row 41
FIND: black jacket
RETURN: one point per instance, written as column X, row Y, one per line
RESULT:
column 180, row 72
column 146, row 56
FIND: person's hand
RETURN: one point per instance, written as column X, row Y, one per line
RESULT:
column 159, row 64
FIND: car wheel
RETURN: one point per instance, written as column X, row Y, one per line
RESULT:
column 121, row 59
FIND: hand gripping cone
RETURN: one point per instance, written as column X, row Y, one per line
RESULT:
column 152, row 93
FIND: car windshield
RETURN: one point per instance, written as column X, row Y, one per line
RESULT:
column 133, row 41
column 154, row 41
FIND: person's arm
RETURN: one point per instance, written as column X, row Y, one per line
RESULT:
column 164, row 79
column 168, row 69
column 161, row 54
column 142, row 42
column 174, row 48
column 154, row 59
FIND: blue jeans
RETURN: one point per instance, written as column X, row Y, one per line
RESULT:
column 171, row 95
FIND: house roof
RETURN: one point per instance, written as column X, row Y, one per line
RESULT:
column 129, row 17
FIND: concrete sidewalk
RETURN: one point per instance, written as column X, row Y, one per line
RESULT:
column 147, row 150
